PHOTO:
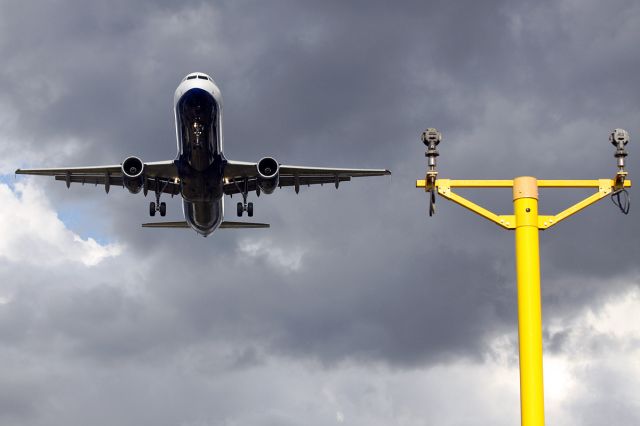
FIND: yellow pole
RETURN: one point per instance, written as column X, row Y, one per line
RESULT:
column 525, row 202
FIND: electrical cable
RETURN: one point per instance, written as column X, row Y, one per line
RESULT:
column 622, row 200
column 432, row 203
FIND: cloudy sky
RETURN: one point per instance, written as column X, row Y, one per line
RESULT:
column 355, row 307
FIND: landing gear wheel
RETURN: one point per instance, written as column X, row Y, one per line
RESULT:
column 250, row 209
column 152, row 209
column 240, row 209
column 163, row 209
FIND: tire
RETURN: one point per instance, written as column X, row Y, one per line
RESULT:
column 163, row 209
column 240, row 209
column 152, row 209
column 250, row 209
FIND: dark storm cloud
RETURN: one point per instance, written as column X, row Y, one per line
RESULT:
column 516, row 87
column 338, row 84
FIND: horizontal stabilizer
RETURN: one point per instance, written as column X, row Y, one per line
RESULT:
column 226, row 224
column 183, row 224
column 179, row 224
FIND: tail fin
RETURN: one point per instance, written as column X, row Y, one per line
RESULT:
column 228, row 225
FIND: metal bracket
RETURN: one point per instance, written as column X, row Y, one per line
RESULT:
column 444, row 189
column 604, row 186
column 620, row 179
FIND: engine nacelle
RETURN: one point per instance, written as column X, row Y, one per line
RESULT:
column 133, row 174
column 268, row 174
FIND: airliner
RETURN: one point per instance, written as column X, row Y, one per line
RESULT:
column 200, row 173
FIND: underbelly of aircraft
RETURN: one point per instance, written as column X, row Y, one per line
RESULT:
column 201, row 187
column 204, row 217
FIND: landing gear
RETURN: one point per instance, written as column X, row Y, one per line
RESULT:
column 158, row 206
column 244, row 191
column 153, row 208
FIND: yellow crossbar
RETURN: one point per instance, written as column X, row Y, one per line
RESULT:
column 507, row 183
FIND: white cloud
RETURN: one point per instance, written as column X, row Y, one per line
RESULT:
column 284, row 259
column 603, row 347
column 33, row 234
column 598, row 367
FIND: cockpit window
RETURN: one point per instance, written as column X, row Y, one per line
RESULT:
column 191, row 77
column 203, row 77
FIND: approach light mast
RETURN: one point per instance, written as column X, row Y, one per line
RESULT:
column 527, row 223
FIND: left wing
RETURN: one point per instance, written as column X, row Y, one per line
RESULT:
column 159, row 174
column 236, row 173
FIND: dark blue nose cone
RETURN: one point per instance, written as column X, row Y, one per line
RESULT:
column 197, row 100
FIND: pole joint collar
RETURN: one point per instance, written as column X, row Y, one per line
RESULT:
column 525, row 187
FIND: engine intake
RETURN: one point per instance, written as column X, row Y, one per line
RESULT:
column 133, row 174
column 268, row 174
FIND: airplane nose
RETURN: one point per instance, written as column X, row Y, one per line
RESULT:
column 197, row 99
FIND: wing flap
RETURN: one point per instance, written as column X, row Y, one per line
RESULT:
column 165, row 187
column 160, row 174
column 91, row 179
column 232, row 188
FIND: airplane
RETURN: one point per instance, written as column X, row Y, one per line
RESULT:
column 201, row 174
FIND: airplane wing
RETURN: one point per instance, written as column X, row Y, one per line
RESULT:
column 236, row 173
column 159, row 174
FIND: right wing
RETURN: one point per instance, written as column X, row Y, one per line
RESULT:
column 237, row 172
column 159, row 174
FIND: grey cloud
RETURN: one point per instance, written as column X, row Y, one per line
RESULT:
column 516, row 87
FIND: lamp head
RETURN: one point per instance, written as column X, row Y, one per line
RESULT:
column 619, row 138
column 431, row 137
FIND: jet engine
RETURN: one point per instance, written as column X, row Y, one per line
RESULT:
column 133, row 174
column 268, row 174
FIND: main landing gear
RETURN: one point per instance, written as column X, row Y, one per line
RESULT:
column 158, row 206
column 161, row 207
column 244, row 206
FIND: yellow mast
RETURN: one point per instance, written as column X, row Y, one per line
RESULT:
column 527, row 223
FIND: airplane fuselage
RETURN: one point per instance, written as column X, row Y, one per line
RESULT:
column 200, row 159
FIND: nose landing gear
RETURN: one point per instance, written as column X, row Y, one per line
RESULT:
column 198, row 129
